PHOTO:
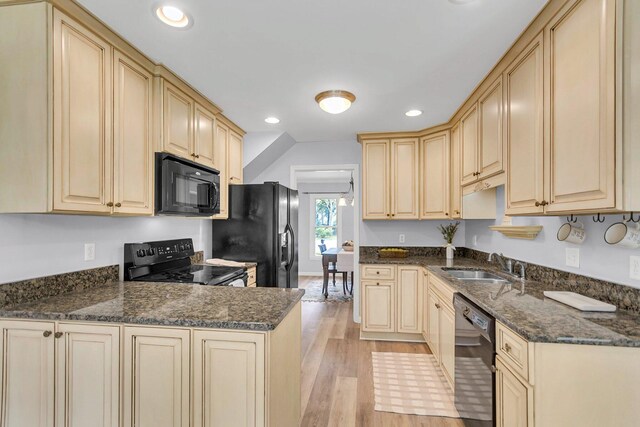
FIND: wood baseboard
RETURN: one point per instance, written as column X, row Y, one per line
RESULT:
column 391, row 336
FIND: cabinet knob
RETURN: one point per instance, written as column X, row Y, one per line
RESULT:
column 193, row 154
column 537, row 204
column 197, row 156
column 377, row 283
column 507, row 347
column 544, row 203
column 377, row 272
column 46, row 334
column 118, row 205
column 457, row 212
column 58, row 334
column 110, row 204
column 437, row 305
column 446, row 213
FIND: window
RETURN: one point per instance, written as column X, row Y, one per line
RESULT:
column 324, row 223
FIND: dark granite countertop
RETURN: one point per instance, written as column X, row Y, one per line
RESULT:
column 257, row 309
column 536, row 318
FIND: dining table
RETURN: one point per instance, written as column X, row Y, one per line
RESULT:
column 330, row 256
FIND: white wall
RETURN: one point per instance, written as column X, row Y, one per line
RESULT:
column 597, row 258
column 41, row 245
column 416, row 233
column 307, row 263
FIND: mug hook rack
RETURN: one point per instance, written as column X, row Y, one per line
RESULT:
column 624, row 218
column 572, row 219
column 598, row 218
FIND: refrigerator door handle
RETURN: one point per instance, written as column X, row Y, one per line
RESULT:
column 292, row 247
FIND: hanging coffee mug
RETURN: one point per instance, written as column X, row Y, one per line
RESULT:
column 625, row 234
column 572, row 233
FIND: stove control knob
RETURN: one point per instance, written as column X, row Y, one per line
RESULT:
column 151, row 251
column 182, row 247
column 140, row 253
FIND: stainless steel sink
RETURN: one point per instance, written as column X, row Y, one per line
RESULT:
column 476, row 276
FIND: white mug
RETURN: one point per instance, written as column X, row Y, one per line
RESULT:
column 623, row 234
column 572, row 233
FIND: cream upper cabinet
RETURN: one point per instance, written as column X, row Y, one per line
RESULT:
column 220, row 156
column 404, row 178
column 88, row 375
column 580, row 47
column 456, row 178
column 409, row 301
column 234, row 163
column 490, row 147
column 435, row 175
column 375, row 176
column 205, row 130
column 132, row 145
column 228, row 374
column 177, row 121
column 469, row 145
column 525, row 131
column 82, row 90
column 27, row 392
column 378, row 306
column 156, row 377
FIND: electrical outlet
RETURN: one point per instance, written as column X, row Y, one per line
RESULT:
column 89, row 251
column 634, row 267
column 401, row 238
column 572, row 257
column 475, row 240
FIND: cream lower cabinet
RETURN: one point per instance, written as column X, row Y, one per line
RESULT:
column 156, row 377
column 228, row 375
column 391, row 301
column 28, row 372
column 513, row 397
column 441, row 324
column 83, row 359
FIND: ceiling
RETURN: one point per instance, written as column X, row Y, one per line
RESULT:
column 270, row 58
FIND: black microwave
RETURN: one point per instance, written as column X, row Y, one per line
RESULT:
column 185, row 188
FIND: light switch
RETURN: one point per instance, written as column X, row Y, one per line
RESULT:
column 572, row 257
column 634, row 267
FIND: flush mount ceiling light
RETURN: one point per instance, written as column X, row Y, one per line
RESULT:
column 413, row 113
column 335, row 101
column 272, row 120
column 173, row 16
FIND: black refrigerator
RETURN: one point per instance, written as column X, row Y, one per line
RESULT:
column 263, row 228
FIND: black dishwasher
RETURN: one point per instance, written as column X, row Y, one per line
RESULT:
column 474, row 364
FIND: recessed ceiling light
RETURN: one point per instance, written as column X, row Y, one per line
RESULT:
column 335, row 101
column 173, row 16
column 272, row 120
column 413, row 113
column 460, row 1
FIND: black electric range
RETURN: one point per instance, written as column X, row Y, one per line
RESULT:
column 169, row 261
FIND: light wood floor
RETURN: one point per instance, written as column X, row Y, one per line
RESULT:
column 337, row 377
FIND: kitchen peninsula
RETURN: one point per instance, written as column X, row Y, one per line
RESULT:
column 177, row 354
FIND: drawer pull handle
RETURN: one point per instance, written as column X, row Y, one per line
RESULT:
column 507, row 347
column 46, row 334
column 58, row 334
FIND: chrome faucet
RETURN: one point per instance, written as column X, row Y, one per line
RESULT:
column 523, row 269
column 506, row 266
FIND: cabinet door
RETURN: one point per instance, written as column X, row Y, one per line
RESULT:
column 469, row 145
column 525, row 131
column 27, row 392
column 580, row 63
column 435, row 176
column 409, row 300
column 204, row 141
column 235, row 158
column 405, row 175
column 132, row 146
column 375, row 179
column 228, row 379
column 425, row 306
column 378, row 306
column 220, row 160
column 177, row 122
column 88, row 375
column 156, row 377
column 448, row 342
column 490, row 119
column 513, row 405
column 456, row 183
column 434, row 324
column 81, row 119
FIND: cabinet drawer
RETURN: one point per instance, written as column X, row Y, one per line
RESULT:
column 513, row 349
column 443, row 290
column 379, row 272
